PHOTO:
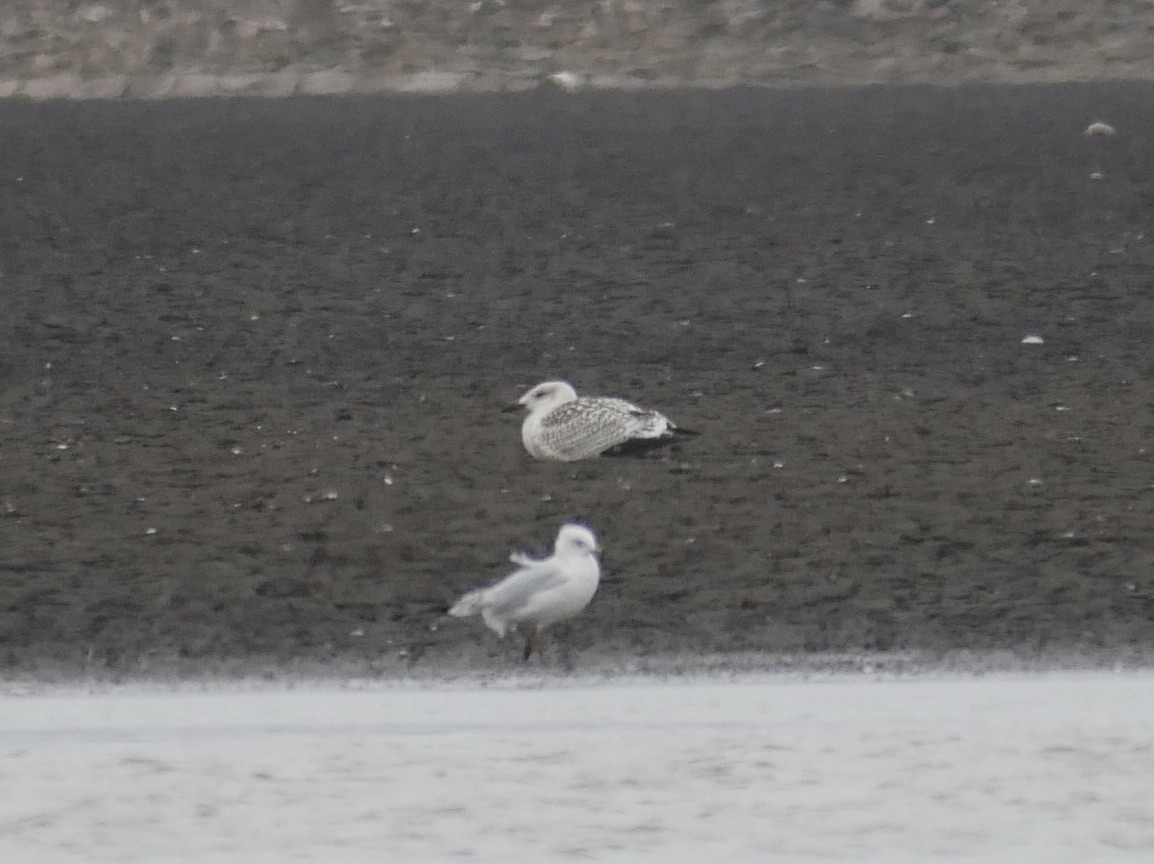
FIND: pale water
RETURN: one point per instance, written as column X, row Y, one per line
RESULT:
column 1046, row 768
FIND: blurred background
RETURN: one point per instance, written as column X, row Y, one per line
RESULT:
column 165, row 48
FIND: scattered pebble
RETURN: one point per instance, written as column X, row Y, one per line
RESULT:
column 1032, row 339
column 568, row 81
column 1099, row 128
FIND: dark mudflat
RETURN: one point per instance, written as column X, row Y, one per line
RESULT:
column 255, row 352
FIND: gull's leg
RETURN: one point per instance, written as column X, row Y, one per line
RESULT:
column 529, row 634
column 564, row 649
column 567, row 654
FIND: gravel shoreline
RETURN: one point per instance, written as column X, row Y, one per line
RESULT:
column 245, row 337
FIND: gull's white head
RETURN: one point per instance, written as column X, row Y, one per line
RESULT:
column 546, row 396
column 574, row 540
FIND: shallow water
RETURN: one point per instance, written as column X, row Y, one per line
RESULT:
column 1032, row 768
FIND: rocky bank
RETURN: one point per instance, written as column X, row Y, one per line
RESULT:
column 172, row 48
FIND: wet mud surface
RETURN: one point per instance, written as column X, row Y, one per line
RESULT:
column 255, row 354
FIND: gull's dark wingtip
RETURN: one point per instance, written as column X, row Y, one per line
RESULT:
column 638, row 446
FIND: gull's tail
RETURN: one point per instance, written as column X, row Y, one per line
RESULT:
column 470, row 604
column 643, row 446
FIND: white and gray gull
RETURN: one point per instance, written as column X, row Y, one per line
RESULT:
column 541, row 591
column 565, row 427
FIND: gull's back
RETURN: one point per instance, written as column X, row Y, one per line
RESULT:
column 588, row 426
column 538, row 593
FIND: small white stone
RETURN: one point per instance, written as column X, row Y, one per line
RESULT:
column 568, row 81
column 1032, row 339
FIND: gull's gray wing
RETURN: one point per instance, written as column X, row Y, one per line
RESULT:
column 517, row 589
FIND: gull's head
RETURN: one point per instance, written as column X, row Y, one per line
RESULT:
column 574, row 539
column 545, row 397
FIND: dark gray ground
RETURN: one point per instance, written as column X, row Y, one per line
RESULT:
column 217, row 313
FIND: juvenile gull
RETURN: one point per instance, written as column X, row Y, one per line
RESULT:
column 540, row 592
column 565, row 427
